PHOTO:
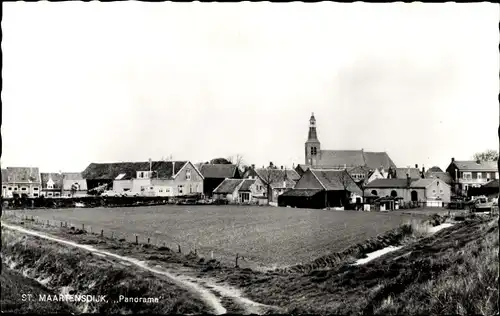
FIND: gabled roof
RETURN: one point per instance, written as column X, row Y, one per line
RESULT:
column 109, row 171
column 22, row 175
column 402, row 172
column 301, row 192
column 387, row 183
column 491, row 184
column 72, row 176
column 423, row 183
column 444, row 176
column 275, row 177
column 349, row 158
column 353, row 158
column 56, row 178
column 359, row 170
column 245, row 186
column 471, row 165
column 227, row 186
column 220, row 171
column 376, row 160
column 335, row 180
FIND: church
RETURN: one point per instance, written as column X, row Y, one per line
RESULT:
column 358, row 163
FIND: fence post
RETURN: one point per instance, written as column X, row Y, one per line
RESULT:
column 179, row 248
column 211, row 254
column 83, row 227
column 112, row 235
column 148, row 240
column 102, row 232
column 237, row 257
column 136, row 239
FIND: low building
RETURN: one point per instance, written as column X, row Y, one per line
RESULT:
column 241, row 191
column 214, row 174
column 321, row 188
column 420, row 192
column 21, row 182
column 73, row 184
column 51, row 185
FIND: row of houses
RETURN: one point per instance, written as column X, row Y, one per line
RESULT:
column 327, row 178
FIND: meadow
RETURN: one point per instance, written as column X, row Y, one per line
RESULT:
column 265, row 236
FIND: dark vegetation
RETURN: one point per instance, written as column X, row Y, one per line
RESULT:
column 83, row 273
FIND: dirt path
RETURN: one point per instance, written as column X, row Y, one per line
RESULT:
column 204, row 288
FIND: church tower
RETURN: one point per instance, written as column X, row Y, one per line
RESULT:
column 312, row 145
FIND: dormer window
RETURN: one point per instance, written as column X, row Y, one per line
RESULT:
column 188, row 174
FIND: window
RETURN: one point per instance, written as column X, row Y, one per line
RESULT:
column 160, row 190
column 49, row 194
column 441, row 191
column 50, row 186
column 394, row 193
column 467, row 175
column 181, row 189
column 15, row 188
column 35, row 189
column 496, row 175
column 57, row 194
column 188, row 174
column 141, row 175
column 488, row 176
column 4, row 187
column 35, row 194
column 10, row 189
column 313, row 151
column 190, row 188
column 479, row 175
column 23, row 189
column 69, row 195
column 374, row 192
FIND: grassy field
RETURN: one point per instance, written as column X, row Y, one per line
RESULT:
column 265, row 236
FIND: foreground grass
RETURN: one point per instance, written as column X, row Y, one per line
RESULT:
column 79, row 272
column 14, row 286
column 454, row 271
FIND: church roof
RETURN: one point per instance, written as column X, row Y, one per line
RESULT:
column 355, row 158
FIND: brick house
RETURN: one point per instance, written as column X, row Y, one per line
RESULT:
column 276, row 181
column 467, row 174
column 21, row 181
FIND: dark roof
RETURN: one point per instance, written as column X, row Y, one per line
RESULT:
column 227, row 186
column 72, row 176
column 422, row 183
column 245, row 186
column 491, row 184
column 301, row 192
column 472, row 165
column 22, row 175
column 56, row 178
column 277, row 176
column 376, row 160
column 435, row 169
column 402, row 172
column 444, row 176
column 109, row 171
column 220, row 171
column 359, row 170
column 353, row 158
column 4, row 176
column 336, row 180
column 334, row 158
column 387, row 183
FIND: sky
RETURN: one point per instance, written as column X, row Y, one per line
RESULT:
column 129, row 81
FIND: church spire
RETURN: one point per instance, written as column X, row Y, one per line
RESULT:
column 313, row 136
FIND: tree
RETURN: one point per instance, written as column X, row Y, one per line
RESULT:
column 223, row 161
column 488, row 155
column 237, row 160
column 74, row 188
column 266, row 176
column 345, row 179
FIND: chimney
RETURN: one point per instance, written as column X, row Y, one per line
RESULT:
column 173, row 169
column 416, row 166
column 452, row 159
column 281, row 167
column 253, row 166
column 423, row 171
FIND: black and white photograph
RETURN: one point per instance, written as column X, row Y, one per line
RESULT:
column 250, row 158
